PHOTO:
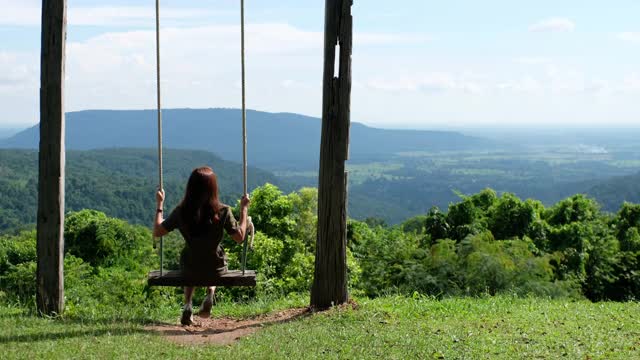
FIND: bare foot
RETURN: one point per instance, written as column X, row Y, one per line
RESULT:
column 205, row 309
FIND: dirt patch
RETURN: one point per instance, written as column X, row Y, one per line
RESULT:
column 223, row 331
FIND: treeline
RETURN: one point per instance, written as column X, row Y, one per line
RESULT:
column 483, row 244
column 118, row 182
column 121, row 182
column 419, row 183
column 490, row 244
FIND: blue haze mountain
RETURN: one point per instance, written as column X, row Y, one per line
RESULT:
column 277, row 141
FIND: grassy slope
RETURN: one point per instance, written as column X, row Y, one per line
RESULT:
column 500, row 327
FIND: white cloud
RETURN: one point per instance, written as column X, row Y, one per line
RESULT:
column 17, row 70
column 19, row 83
column 526, row 84
column 632, row 82
column 135, row 15
column 597, row 88
column 533, row 60
column 555, row 24
column 28, row 12
column 427, row 83
column 17, row 12
column 629, row 36
column 296, row 84
column 201, row 67
column 363, row 39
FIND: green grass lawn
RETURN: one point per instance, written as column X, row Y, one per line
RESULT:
column 392, row 327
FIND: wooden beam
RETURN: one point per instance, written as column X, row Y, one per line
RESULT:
column 178, row 278
column 330, row 278
column 50, row 243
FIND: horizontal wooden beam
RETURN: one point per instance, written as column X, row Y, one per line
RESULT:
column 178, row 278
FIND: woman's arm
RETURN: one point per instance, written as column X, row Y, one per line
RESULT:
column 239, row 235
column 158, row 229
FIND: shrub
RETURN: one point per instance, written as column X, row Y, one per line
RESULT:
column 271, row 212
column 577, row 208
column 19, row 282
column 510, row 217
column 17, row 249
column 102, row 241
column 436, row 225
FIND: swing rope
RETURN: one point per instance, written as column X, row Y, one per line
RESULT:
column 244, row 132
column 244, row 98
column 250, row 226
column 159, row 104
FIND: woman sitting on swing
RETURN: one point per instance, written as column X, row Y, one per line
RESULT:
column 201, row 219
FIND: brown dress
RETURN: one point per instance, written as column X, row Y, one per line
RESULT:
column 203, row 252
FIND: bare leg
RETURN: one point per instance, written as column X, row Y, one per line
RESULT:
column 205, row 309
column 188, row 296
column 187, row 313
column 210, row 292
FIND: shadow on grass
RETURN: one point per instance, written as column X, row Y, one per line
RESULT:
column 130, row 326
column 79, row 320
column 13, row 315
column 225, row 331
column 251, row 323
column 28, row 338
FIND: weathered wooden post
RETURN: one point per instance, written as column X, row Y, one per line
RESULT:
column 50, row 248
column 330, row 280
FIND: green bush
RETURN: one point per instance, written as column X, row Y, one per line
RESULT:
column 19, row 282
column 103, row 241
column 577, row 208
column 504, row 244
column 18, row 266
column 436, row 225
column 485, row 244
column 510, row 217
column 271, row 212
column 17, row 249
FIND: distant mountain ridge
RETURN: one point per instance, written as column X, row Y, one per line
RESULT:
column 275, row 140
column 8, row 132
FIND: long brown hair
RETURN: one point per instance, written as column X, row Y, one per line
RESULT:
column 201, row 205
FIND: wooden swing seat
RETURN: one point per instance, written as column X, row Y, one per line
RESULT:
column 177, row 278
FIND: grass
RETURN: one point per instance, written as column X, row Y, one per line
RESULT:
column 392, row 327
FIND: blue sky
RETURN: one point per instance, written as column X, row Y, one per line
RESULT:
column 416, row 64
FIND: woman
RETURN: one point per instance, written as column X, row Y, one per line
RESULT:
column 201, row 219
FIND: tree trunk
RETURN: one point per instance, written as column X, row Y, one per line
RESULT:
column 330, row 280
column 50, row 245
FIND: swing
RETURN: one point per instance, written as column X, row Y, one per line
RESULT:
column 232, row 277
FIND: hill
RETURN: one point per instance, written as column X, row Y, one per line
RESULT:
column 8, row 132
column 276, row 140
column 119, row 182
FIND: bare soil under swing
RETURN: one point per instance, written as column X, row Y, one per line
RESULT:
column 223, row 331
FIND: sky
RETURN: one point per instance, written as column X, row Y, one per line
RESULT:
column 421, row 64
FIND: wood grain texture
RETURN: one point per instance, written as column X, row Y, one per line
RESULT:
column 50, row 227
column 330, row 277
column 177, row 278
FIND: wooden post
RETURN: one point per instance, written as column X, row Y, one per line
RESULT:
column 50, row 246
column 330, row 280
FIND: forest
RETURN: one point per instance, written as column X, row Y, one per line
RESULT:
column 118, row 181
column 482, row 244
